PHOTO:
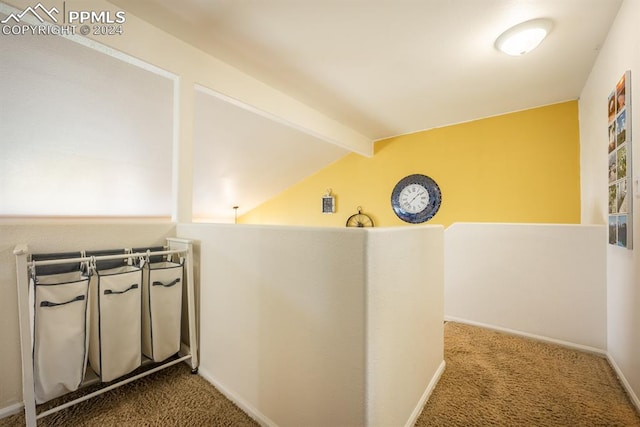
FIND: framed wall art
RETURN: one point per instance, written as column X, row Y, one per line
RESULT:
column 619, row 172
column 328, row 203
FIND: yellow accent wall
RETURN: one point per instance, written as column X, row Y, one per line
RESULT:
column 519, row 167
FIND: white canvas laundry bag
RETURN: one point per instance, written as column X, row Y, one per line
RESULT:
column 60, row 333
column 115, row 327
column 161, row 309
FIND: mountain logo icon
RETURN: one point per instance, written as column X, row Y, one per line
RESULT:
column 33, row 11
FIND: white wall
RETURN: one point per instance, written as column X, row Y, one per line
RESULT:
column 538, row 279
column 298, row 325
column 405, row 337
column 113, row 131
column 619, row 53
column 47, row 238
column 282, row 315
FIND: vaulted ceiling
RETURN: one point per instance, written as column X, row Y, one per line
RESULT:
column 387, row 67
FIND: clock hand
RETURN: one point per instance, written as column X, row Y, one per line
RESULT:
column 415, row 197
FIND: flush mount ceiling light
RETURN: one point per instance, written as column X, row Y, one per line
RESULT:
column 524, row 37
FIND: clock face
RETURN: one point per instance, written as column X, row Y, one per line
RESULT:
column 416, row 198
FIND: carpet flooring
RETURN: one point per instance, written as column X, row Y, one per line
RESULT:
column 171, row 397
column 491, row 379
column 497, row 379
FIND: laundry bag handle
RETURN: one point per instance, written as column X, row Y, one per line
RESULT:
column 110, row 292
column 168, row 285
column 55, row 304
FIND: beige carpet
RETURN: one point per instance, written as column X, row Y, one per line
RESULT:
column 492, row 379
column 171, row 397
column 498, row 379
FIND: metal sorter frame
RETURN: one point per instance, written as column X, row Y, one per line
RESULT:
column 190, row 352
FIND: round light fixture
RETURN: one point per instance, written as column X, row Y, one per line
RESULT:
column 524, row 37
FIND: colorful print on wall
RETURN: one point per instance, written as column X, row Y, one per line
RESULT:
column 620, row 203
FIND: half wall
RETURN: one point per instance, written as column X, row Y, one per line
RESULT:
column 321, row 326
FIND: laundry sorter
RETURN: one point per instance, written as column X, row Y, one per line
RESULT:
column 107, row 317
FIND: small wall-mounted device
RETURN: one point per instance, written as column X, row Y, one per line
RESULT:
column 328, row 203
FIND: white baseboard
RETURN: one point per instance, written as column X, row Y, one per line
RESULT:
column 574, row 346
column 263, row 420
column 258, row 416
column 7, row 411
column 425, row 396
column 266, row 422
column 625, row 383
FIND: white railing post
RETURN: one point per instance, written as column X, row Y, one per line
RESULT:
column 28, row 396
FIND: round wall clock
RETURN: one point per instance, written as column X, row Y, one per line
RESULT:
column 416, row 198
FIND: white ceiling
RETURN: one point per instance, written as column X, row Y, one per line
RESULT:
column 390, row 67
column 241, row 158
